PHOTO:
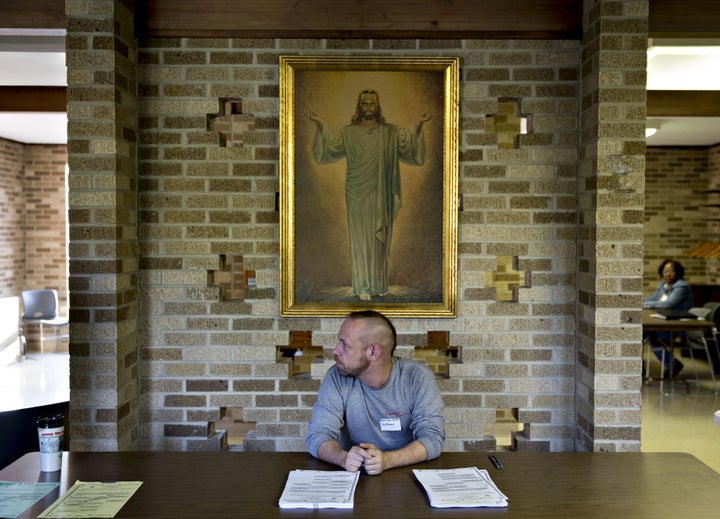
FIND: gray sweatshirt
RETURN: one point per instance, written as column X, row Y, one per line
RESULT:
column 408, row 407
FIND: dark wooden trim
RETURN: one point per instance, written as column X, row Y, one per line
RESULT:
column 361, row 19
column 32, row 14
column 344, row 19
column 364, row 34
column 683, row 103
column 495, row 19
column 684, row 18
column 33, row 99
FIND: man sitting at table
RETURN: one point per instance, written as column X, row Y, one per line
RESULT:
column 374, row 410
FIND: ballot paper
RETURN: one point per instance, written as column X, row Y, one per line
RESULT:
column 17, row 497
column 464, row 487
column 319, row 489
column 92, row 499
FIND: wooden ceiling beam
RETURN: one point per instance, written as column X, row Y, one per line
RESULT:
column 668, row 18
column 372, row 18
column 33, row 99
column 683, row 103
column 521, row 19
column 677, row 103
column 362, row 19
column 32, row 14
column 684, row 19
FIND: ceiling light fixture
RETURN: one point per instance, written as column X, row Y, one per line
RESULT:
column 681, row 50
column 652, row 126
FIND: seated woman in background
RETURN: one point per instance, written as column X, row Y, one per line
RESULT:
column 673, row 293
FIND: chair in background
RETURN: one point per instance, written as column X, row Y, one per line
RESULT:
column 41, row 307
column 714, row 316
column 699, row 341
column 691, row 341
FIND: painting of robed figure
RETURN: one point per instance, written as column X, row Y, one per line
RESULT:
column 368, row 193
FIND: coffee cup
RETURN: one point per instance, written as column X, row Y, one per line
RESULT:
column 51, row 429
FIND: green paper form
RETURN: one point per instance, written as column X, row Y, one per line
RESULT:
column 16, row 497
column 92, row 499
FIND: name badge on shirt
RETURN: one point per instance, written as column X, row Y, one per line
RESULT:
column 390, row 424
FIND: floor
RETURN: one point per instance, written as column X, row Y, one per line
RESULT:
column 675, row 417
column 680, row 416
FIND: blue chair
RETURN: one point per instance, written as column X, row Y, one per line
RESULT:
column 41, row 307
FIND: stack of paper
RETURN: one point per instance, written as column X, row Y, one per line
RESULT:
column 673, row 315
column 465, row 487
column 319, row 489
column 17, row 497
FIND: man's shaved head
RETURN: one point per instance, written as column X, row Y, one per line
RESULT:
column 377, row 329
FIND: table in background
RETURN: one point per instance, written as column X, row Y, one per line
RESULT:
column 218, row 485
column 673, row 326
column 36, row 386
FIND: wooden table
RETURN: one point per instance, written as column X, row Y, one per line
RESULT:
column 654, row 324
column 215, row 485
column 673, row 326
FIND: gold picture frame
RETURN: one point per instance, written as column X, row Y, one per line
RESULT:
column 368, row 206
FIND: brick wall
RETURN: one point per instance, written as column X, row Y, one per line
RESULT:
column 610, row 225
column 46, row 220
column 102, row 137
column 33, row 220
column 677, row 216
column 198, row 202
column 713, row 266
column 12, row 218
column 201, row 354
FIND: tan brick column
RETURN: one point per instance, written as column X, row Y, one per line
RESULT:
column 611, row 205
column 102, row 129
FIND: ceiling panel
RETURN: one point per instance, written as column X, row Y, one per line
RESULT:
column 34, row 127
column 33, row 68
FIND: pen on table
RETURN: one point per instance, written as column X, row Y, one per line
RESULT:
column 496, row 463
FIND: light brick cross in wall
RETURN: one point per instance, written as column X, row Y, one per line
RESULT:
column 507, row 279
column 438, row 353
column 300, row 353
column 231, row 123
column 232, row 278
column 508, row 124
